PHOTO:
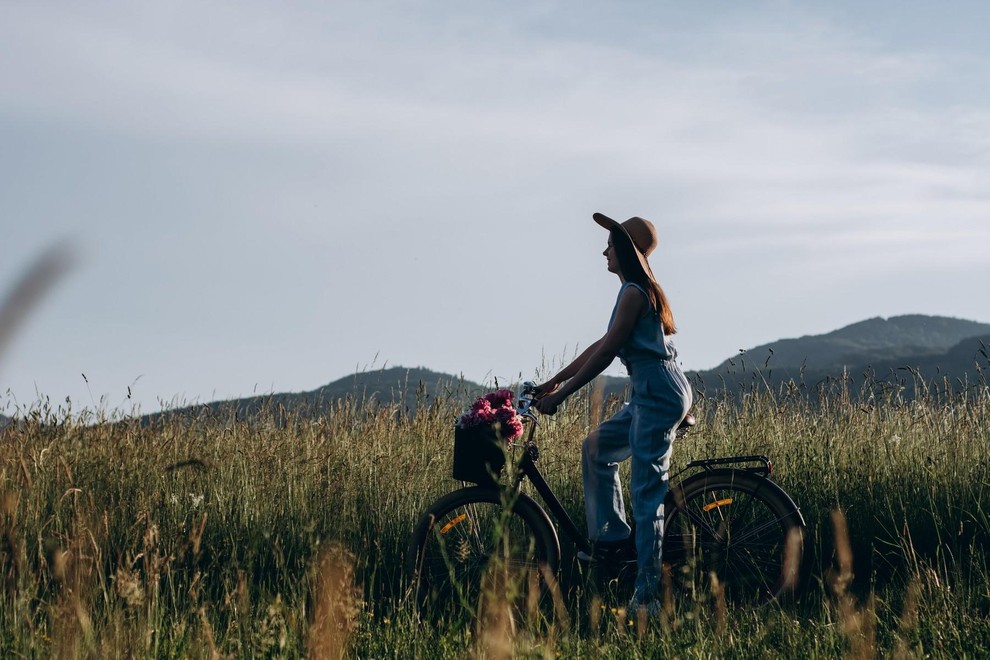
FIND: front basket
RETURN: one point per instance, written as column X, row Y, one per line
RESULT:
column 479, row 455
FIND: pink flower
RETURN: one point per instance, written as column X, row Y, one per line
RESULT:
column 500, row 398
column 504, row 414
column 483, row 411
column 494, row 408
column 511, row 424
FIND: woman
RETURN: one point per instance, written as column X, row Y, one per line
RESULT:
column 638, row 333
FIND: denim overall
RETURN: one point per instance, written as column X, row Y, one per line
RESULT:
column 644, row 430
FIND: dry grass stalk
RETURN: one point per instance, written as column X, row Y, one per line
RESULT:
column 841, row 575
column 620, row 621
column 561, row 621
column 561, row 617
column 76, row 565
column 858, row 625
column 721, row 611
column 793, row 554
column 12, row 552
column 534, row 594
column 667, row 613
column 128, row 587
column 596, row 400
column 28, row 481
column 336, row 604
column 908, row 621
column 208, row 636
column 496, row 625
column 196, row 536
column 72, row 629
column 31, row 287
column 595, row 617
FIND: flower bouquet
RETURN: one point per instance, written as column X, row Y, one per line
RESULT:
column 481, row 435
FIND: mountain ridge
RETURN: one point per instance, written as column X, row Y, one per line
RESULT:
column 897, row 351
column 871, row 339
column 410, row 386
column 894, row 351
column 889, row 348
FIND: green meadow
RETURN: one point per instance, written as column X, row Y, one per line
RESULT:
column 211, row 537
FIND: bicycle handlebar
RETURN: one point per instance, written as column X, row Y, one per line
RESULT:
column 525, row 404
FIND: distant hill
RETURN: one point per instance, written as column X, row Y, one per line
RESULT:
column 890, row 351
column 408, row 387
column 4, row 421
column 868, row 342
column 893, row 350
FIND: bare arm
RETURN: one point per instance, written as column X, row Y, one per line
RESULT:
column 599, row 355
column 570, row 370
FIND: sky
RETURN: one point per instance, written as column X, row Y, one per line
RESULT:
column 266, row 197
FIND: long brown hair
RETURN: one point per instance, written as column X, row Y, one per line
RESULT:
column 633, row 271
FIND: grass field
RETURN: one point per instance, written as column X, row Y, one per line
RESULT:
column 215, row 538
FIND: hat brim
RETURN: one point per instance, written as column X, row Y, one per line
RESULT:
column 605, row 221
column 610, row 224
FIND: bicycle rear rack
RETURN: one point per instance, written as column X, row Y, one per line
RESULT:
column 765, row 467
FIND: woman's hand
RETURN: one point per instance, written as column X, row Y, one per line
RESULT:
column 546, row 388
column 549, row 403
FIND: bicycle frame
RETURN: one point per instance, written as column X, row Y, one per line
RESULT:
column 528, row 469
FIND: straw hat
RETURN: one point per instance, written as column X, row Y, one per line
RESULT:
column 641, row 233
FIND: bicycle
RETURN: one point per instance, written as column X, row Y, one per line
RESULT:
column 726, row 523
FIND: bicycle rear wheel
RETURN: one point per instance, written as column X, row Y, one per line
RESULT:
column 470, row 544
column 732, row 531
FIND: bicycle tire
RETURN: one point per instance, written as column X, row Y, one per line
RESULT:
column 462, row 540
column 734, row 532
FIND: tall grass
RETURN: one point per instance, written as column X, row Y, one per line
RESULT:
column 214, row 537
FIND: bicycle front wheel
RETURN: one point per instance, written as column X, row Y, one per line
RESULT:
column 473, row 543
column 733, row 532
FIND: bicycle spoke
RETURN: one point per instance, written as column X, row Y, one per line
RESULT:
column 697, row 518
column 770, row 525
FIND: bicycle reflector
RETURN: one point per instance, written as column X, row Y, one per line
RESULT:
column 453, row 523
column 714, row 505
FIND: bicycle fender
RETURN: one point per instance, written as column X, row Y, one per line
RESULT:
column 766, row 482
